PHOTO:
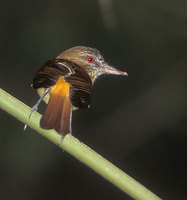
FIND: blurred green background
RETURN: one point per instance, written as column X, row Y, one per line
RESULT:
column 139, row 123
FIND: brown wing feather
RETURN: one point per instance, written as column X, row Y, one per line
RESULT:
column 49, row 73
column 76, row 76
column 81, row 87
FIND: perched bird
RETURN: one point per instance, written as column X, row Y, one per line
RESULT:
column 65, row 83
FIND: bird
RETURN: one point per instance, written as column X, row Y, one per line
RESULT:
column 66, row 84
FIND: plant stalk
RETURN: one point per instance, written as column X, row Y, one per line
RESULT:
column 77, row 149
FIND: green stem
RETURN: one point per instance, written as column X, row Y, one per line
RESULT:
column 77, row 149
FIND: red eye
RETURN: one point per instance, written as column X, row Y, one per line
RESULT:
column 90, row 59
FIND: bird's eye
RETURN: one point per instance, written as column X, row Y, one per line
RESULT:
column 90, row 59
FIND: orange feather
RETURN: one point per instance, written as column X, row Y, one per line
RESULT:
column 58, row 112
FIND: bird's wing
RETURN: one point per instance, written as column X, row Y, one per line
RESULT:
column 49, row 73
column 81, row 87
column 76, row 76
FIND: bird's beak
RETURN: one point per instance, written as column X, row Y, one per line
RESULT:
column 107, row 69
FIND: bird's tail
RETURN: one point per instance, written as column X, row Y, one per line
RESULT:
column 59, row 109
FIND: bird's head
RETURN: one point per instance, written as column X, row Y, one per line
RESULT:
column 91, row 60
